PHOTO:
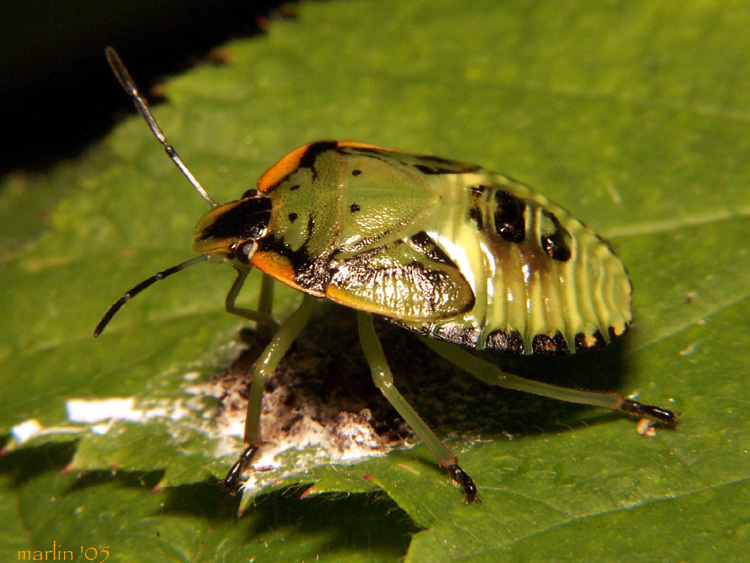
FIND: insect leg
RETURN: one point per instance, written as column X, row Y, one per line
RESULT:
column 492, row 375
column 262, row 317
column 265, row 306
column 266, row 364
column 383, row 379
column 265, row 301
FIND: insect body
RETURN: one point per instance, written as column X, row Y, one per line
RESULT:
column 443, row 248
column 446, row 249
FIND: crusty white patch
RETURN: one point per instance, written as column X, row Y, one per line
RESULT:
column 26, row 430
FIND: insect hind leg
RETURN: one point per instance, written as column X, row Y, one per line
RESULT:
column 492, row 375
column 383, row 379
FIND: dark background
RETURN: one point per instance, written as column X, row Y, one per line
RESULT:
column 57, row 94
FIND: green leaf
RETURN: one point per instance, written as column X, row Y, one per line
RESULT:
column 634, row 116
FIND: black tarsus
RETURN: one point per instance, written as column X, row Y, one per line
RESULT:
column 233, row 477
column 657, row 413
column 467, row 483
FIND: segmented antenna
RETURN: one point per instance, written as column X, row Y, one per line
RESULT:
column 117, row 305
column 125, row 80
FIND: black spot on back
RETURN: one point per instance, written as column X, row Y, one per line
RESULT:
column 292, row 217
column 424, row 243
column 476, row 205
column 555, row 244
column 354, row 208
column 475, row 214
column 295, row 187
column 356, row 172
column 509, row 217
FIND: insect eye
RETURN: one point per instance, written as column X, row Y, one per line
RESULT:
column 245, row 251
column 249, row 193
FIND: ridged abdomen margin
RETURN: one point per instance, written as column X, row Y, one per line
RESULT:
column 556, row 286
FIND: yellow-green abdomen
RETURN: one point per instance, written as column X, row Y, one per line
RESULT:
column 544, row 283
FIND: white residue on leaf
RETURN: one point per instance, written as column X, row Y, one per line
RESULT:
column 91, row 411
column 99, row 414
column 309, row 417
column 32, row 428
column 26, row 430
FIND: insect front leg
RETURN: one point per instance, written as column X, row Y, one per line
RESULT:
column 263, row 316
column 266, row 364
column 383, row 379
column 492, row 375
column 265, row 301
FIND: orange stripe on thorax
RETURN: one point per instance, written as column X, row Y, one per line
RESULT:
column 281, row 169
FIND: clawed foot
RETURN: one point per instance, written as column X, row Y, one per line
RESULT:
column 467, row 483
column 656, row 413
column 233, row 477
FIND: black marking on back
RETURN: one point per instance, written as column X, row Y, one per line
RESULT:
column 556, row 244
column 549, row 345
column 354, row 208
column 247, row 220
column 292, row 217
column 427, row 164
column 311, row 154
column 510, row 342
column 475, row 205
column 307, row 160
column 438, row 165
column 428, row 282
column 510, row 223
column 581, row 341
column 310, row 273
column 475, row 214
column 424, row 243
column 310, row 227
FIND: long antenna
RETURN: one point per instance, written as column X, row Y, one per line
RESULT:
column 125, row 80
column 117, row 305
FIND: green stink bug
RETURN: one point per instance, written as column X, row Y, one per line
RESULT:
column 464, row 257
